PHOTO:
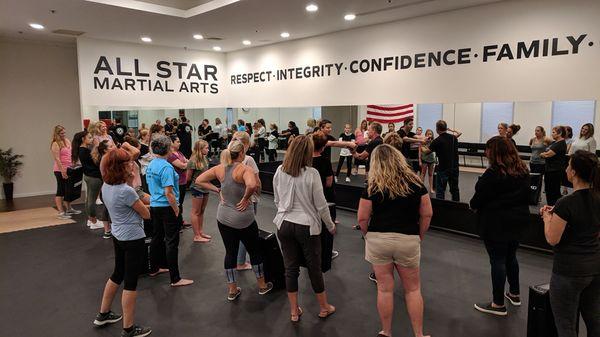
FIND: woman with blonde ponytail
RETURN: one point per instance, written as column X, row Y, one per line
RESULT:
column 235, row 214
column 392, row 241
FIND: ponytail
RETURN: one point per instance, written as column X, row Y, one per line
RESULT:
column 233, row 152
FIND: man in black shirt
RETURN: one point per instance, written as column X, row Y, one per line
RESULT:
column 375, row 140
column 168, row 126
column 445, row 147
column 118, row 131
column 184, row 133
column 408, row 138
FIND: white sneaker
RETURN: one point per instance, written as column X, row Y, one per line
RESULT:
column 63, row 215
column 96, row 225
column 99, row 202
column 335, row 179
column 347, row 179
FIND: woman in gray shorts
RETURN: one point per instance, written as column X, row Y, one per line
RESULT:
column 393, row 241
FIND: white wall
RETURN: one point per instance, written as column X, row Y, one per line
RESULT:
column 529, row 115
column 38, row 90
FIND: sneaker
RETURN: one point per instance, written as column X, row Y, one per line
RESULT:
column 107, row 235
column 268, row 287
column 514, row 300
column 96, row 225
column 489, row 309
column 99, row 202
column 106, row 318
column 73, row 211
column 336, row 180
column 373, row 278
column 334, row 254
column 137, row 331
column 357, row 227
column 63, row 215
column 348, row 179
column 234, row 296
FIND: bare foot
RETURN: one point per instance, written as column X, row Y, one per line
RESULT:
column 337, row 222
column 160, row 271
column 245, row 266
column 181, row 283
column 201, row 239
column 327, row 312
column 206, row 236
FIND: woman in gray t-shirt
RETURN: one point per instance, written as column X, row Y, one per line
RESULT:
column 127, row 212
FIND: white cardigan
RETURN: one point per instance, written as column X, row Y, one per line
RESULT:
column 301, row 200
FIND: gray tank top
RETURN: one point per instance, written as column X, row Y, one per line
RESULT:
column 536, row 151
column 232, row 193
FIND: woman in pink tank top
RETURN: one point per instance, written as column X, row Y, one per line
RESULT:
column 61, row 153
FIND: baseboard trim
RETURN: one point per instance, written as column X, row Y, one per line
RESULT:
column 30, row 194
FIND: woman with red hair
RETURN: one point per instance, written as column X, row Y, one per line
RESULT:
column 127, row 212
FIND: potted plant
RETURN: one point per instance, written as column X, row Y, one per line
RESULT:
column 10, row 167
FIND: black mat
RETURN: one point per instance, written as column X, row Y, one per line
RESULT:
column 52, row 280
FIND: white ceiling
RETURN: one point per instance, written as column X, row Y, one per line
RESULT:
column 260, row 21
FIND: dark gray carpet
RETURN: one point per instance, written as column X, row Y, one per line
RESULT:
column 52, row 280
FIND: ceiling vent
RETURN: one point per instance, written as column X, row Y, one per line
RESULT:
column 212, row 38
column 68, row 32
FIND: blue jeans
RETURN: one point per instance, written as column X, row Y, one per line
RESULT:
column 443, row 178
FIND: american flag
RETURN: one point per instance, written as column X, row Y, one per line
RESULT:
column 389, row 113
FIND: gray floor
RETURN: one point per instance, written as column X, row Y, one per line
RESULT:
column 52, row 280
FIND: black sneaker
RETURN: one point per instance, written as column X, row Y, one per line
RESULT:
column 489, row 309
column 107, row 235
column 234, row 296
column 373, row 278
column 137, row 331
column 514, row 300
column 107, row 318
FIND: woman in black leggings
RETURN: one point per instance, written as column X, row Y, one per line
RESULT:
column 572, row 226
column 555, row 158
column 127, row 214
column 235, row 214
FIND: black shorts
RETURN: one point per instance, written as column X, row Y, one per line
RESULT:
column 198, row 194
column 61, row 184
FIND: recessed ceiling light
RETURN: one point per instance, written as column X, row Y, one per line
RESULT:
column 36, row 26
column 284, row 35
column 247, row 42
column 198, row 36
column 146, row 39
column 312, row 8
column 349, row 17
column 217, row 48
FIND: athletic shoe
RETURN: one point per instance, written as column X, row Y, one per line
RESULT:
column 137, row 331
column 348, row 179
column 373, row 278
column 335, row 178
column 268, row 287
column 73, row 211
column 357, row 227
column 489, row 309
column 107, row 318
column 514, row 300
column 334, row 254
column 107, row 235
column 63, row 216
column 234, row 296
column 96, row 225
column 99, row 202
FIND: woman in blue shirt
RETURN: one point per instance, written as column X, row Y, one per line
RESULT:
column 164, row 207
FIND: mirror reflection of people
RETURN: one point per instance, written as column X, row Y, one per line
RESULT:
column 445, row 147
column 345, row 154
column 502, row 129
column 273, row 140
column 555, row 157
column 585, row 141
column 410, row 143
column 512, row 131
column 538, row 144
column 427, row 160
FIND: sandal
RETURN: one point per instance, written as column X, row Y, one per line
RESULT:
column 296, row 318
column 327, row 313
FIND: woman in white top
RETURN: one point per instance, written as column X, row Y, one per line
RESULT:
column 301, row 206
column 586, row 140
column 221, row 130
